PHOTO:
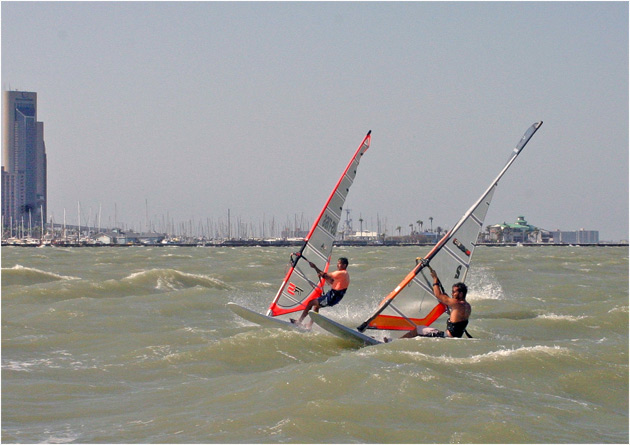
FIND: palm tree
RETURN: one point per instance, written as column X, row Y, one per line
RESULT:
column 361, row 222
column 420, row 222
column 535, row 235
column 399, row 229
column 411, row 227
column 431, row 219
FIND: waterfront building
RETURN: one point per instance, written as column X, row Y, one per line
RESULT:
column 518, row 232
column 522, row 232
column 117, row 236
column 576, row 237
column 23, row 161
column 365, row 235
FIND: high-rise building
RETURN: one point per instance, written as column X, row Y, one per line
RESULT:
column 576, row 237
column 23, row 160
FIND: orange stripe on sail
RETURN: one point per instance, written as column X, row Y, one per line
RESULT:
column 394, row 323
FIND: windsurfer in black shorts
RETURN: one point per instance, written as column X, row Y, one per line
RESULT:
column 339, row 281
column 459, row 312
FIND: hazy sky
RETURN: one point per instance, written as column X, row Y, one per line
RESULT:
column 197, row 108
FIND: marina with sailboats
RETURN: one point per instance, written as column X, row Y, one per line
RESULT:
column 234, row 232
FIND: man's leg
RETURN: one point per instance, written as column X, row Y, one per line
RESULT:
column 311, row 304
column 423, row 331
column 305, row 311
column 315, row 307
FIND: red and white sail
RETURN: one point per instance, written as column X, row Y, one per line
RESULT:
column 301, row 283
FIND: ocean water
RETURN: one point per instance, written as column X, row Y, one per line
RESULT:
column 136, row 345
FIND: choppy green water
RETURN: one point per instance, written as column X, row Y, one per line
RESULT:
column 136, row 345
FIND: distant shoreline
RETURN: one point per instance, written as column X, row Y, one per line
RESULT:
column 261, row 243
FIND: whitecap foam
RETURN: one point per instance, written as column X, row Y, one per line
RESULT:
column 489, row 291
column 263, row 284
column 557, row 317
column 491, row 356
column 19, row 274
column 173, row 255
column 67, row 436
column 42, row 272
column 483, row 285
column 171, row 279
column 623, row 309
column 27, row 366
column 524, row 350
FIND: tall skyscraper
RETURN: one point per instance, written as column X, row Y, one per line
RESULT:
column 23, row 160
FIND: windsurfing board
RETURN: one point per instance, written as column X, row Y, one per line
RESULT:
column 262, row 320
column 342, row 331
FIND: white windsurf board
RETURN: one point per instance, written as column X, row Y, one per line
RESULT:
column 261, row 319
column 342, row 331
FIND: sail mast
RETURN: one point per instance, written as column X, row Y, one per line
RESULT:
column 297, row 289
column 470, row 214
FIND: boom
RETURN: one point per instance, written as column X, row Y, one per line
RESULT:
column 451, row 259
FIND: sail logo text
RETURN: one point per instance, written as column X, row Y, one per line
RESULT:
column 461, row 247
column 292, row 289
column 330, row 225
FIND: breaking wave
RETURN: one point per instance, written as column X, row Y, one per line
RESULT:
column 170, row 279
column 494, row 356
column 556, row 317
column 26, row 276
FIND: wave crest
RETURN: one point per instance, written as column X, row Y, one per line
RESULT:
column 171, row 279
column 556, row 317
column 518, row 352
column 26, row 276
column 495, row 356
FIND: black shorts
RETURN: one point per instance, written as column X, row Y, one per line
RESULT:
column 331, row 298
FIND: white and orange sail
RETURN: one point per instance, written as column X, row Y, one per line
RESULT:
column 301, row 284
column 405, row 307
